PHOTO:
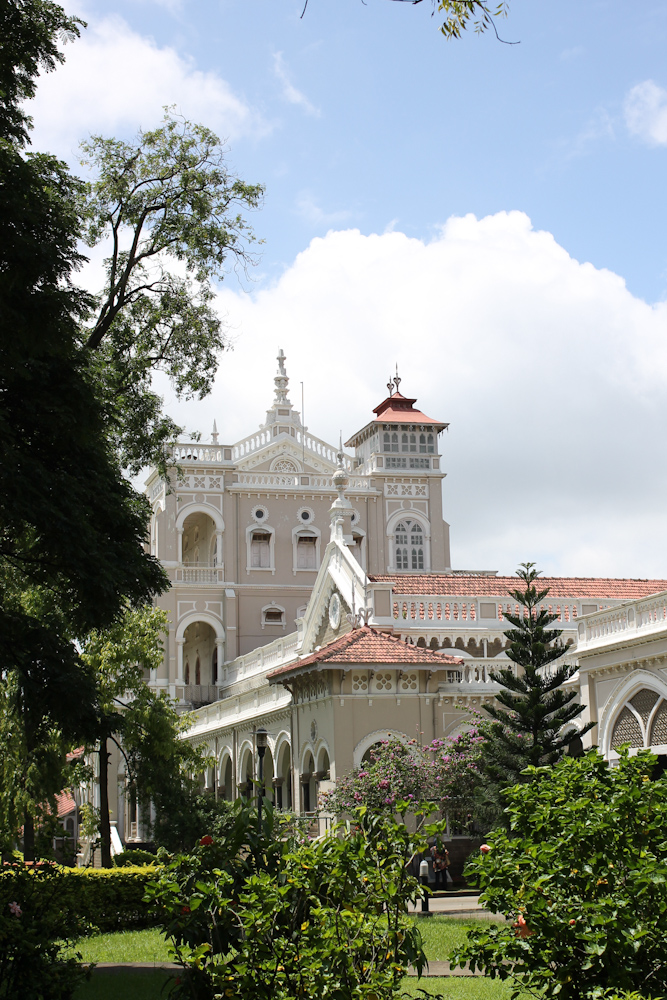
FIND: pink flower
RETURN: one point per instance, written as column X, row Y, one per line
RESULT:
column 15, row 909
column 384, row 783
column 485, row 848
column 357, row 797
column 206, row 841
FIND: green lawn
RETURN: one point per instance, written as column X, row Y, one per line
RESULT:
column 126, row 985
column 125, row 946
column 441, row 936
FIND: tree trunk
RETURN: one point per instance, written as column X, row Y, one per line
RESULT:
column 28, row 837
column 105, row 822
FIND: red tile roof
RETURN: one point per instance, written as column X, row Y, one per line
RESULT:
column 397, row 408
column 367, row 645
column 65, row 803
column 573, row 587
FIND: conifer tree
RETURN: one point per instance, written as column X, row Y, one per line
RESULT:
column 530, row 722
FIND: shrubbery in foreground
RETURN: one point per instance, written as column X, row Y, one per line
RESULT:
column 35, row 930
column 582, row 878
column 263, row 915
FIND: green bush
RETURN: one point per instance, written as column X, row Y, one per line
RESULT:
column 35, row 933
column 111, row 899
column 273, row 917
column 104, row 899
column 581, row 877
column 134, row 857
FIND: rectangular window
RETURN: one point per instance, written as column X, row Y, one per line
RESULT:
column 260, row 550
column 306, row 553
column 273, row 616
column 420, row 463
column 397, row 463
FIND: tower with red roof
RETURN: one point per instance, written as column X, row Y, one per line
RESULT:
column 399, row 448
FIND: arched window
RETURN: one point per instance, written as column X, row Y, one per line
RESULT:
column 642, row 721
column 409, row 545
column 187, row 672
column 390, row 441
column 260, row 550
column 426, row 444
column 198, row 672
column 214, row 666
column 408, row 442
column 306, row 551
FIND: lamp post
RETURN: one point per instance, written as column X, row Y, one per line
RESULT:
column 423, row 878
column 261, row 739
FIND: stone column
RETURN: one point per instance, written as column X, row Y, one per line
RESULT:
column 180, row 547
column 180, row 643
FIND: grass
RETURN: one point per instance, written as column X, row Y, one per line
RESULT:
column 441, row 936
column 459, row 988
column 149, row 985
column 125, row 946
column 130, row 984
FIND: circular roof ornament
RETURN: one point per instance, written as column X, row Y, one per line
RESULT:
column 334, row 611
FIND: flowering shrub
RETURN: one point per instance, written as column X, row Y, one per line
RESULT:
column 445, row 773
column 581, row 878
column 35, row 933
column 274, row 917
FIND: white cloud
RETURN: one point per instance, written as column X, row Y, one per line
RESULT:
column 552, row 375
column 646, row 112
column 115, row 80
column 289, row 92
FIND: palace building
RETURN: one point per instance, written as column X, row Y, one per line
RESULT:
column 313, row 597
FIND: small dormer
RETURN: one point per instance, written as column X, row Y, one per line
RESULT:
column 400, row 437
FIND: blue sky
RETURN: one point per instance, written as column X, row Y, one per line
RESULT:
column 370, row 132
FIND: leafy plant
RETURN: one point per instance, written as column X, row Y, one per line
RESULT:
column 264, row 915
column 581, row 878
column 445, row 774
column 36, row 934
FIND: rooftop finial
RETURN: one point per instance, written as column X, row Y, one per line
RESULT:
column 341, row 453
column 281, row 362
column 214, row 435
column 281, row 382
column 390, row 386
column 397, row 380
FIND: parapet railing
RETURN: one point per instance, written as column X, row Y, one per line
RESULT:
column 642, row 616
column 296, row 480
column 313, row 445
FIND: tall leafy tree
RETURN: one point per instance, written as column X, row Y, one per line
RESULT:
column 460, row 15
column 170, row 212
column 71, row 527
column 142, row 723
column 534, row 709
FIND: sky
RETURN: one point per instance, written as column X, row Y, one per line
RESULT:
column 491, row 217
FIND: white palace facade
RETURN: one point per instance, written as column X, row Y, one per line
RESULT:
column 312, row 595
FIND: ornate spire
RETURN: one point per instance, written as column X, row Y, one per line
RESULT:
column 214, row 435
column 281, row 381
column 397, row 380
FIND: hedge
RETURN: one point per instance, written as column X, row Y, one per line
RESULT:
column 99, row 899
